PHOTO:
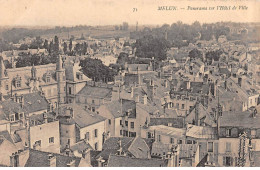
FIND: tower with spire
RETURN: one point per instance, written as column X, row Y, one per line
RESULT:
column 61, row 81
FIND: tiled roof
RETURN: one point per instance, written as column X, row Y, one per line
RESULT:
column 122, row 161
column 40, row 159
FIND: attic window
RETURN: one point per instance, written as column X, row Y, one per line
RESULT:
column 79, row 76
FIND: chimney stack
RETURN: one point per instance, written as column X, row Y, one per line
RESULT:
column 145, row 99
column 239, row 81
column 132, row 92
column 45, row 118
column 52, row 160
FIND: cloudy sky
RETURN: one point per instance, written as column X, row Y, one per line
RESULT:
column 110, row 12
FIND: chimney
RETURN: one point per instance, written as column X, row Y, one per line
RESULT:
column 45, row 117
column 14, row 159
column 145, row 99
column 22, row 101
column 137, row 99
column 132, row 92
column 165, row 83
column 52, row 160
column 188, row 84
column 239, row 81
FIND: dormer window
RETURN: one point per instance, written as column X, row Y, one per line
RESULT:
column 48, row 77
column 18, row 81
column 79, row 75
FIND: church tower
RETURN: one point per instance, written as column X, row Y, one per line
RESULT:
column 61, row 81
column 4, row 86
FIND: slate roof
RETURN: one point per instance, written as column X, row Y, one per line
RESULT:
column 40, row 159
column 240, row 119
column 81, row 146
column 111, row 146
column 201, row 132
column 33, row 102
column 176, row 122
column 122, row 161
column 82, row 117
column 115, row 107
column 171, row 131
column 99, row 92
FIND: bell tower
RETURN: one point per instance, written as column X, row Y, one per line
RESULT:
column 4, row 86
column 61, row 81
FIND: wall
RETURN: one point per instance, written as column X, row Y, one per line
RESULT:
column 100, row 126
column 43, row 132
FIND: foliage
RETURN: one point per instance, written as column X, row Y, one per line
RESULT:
column 149, row 46
column 26, row 59
column 95, row 69
column 213, row 55
column 195, row 53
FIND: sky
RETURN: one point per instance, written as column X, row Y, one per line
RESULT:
column 112, row 12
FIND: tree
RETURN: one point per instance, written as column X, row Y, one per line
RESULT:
column 95, row 69
column 84, row 49
column 23, row 47
column 56, row 44
column 195, row 53
column 213, row 55
column 148, row 47
column 125, row 26
column 70, row 45
column 46, row 45
column 65, row 47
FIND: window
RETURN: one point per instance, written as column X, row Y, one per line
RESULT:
column 96, row 133
column 6, row 87
column 132, row 125
column 179, row 141
column 93, row 101
column 228, row 147
column 48, row 79
column 51, row 140
column 109, row 121
column 21, row 115
column 87, row 136
column 18, row 83
column 96, row 146
column 177, row 105
column 39, row 143
column 210, row 146
column 253, row 133
column 189, row 141
column 121, row 122
column 126, row 123
column 172, row 140
column 121, row 132
column 93, row 109
column 228, row 132
column 158, row 138
column 12, row 118
column 69, row 90
column 182, row 106
column 227, row 161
